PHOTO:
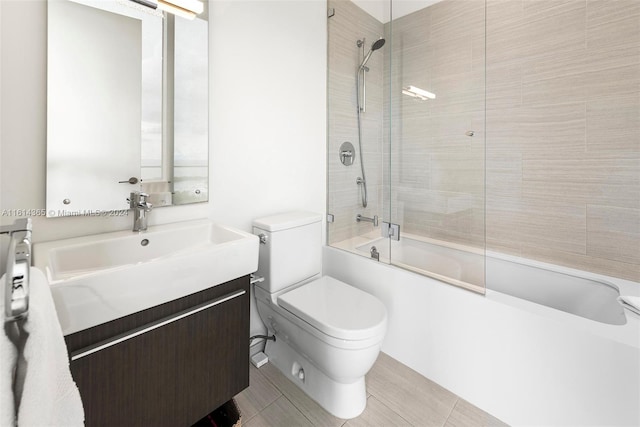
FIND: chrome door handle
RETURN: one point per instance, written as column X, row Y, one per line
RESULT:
column 132, row 180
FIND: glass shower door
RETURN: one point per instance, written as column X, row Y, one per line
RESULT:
column 435, row 140
column 406, row 135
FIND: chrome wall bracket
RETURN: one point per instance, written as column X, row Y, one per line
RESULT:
column 391, row 230
column 256, row 279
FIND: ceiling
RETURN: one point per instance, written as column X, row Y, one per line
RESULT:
column 381, row 10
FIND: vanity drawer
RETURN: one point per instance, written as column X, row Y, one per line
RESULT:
column 172, row 370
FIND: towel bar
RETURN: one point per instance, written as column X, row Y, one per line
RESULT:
column 16, row 294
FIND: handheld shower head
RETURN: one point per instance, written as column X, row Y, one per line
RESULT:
column 378, row 44
column 375, row 46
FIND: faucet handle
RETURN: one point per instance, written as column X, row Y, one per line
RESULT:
column 135, row 198
column 143, row 202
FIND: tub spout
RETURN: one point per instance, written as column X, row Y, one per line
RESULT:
column 373, row 220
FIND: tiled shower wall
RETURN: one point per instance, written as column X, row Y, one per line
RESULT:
column 346, row 27
column 563, row 132
column 562, row 128
column 437, row 171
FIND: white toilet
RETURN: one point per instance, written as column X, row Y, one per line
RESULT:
column 328, row 333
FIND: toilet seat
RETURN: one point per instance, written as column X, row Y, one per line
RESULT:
column 336, row 309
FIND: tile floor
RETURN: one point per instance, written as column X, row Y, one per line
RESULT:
column 397, row 396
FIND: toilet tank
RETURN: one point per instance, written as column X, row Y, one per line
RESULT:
column 293, row 249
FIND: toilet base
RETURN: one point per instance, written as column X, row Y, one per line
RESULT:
column 341, row 400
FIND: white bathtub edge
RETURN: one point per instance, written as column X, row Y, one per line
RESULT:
column 521, row 362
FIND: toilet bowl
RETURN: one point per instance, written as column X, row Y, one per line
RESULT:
column 328, row 333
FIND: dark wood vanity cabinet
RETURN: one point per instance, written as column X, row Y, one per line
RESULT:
column 186, row 358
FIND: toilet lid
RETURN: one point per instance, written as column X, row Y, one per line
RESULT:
column 337, row 309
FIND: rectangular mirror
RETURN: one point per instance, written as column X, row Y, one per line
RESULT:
column 127, row 106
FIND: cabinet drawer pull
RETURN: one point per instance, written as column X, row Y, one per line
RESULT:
column 151, row 326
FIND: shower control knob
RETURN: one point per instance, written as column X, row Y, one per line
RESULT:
column 301, row 374
column 347, row 152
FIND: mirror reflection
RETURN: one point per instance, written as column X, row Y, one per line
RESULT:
column 127, row 106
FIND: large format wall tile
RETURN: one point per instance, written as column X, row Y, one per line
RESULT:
column 613, row 233
column 563, row 119
column 559, row 82
column 346, row 27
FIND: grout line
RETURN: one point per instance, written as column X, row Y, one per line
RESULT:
column 256, row 414
column 246, row 420
column 391, row 410
column 298, row 409
column 264, row 409
column 270, row 403
column 451, row 412
column 271, row 382
column 283, row 394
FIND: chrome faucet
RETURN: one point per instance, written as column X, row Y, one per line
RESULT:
column 373, row 220
column 138, row 202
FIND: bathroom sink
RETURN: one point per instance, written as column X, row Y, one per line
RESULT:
column 98, row 278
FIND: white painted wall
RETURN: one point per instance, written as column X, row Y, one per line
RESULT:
column 267, row 116
column 268, row 101
column 23, row 130
column 268, row 108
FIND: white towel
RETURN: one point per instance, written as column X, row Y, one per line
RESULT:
column 630, row 303
column 8, row 357
column 48, row 395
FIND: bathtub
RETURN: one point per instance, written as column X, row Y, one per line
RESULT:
column 546, row 345
column 466, row 267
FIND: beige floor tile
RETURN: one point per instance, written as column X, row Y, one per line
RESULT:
column 466, row 415
column 311, row 410
column 260, row 394
column 378, row 415
column 397, row 396
column 281, row 413
column 420, row 401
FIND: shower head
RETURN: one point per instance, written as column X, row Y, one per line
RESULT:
column 378, row 44
column 375, row 46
